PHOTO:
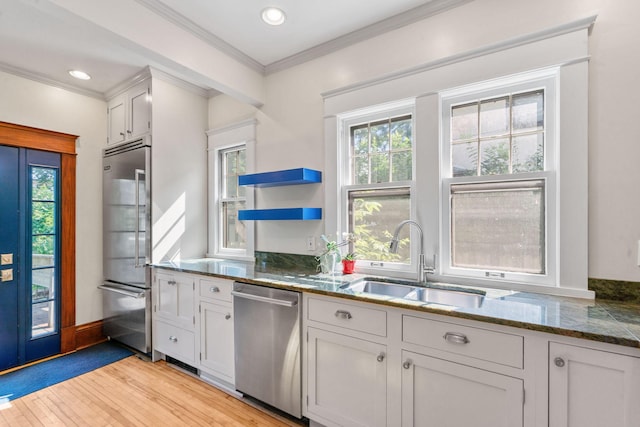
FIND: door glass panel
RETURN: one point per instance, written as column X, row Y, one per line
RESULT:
column 43, row 318
column 44, row 233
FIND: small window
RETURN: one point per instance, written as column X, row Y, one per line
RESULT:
column 232, row 198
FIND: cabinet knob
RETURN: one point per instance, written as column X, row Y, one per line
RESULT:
column 214, row 289
column 380, row 357
column 456, row 338
column 121, row 133
column 559, row 361
column 173, row 338
column 407, row 364
column 128, row 131
column 343, row 314
column 227, row 316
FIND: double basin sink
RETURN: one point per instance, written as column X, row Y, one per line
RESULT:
column 415, row 292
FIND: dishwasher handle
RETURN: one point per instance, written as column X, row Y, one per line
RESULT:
column 122, row 291
column 264, row 299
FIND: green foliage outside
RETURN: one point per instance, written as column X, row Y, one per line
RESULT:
column 382, row 153
column 43, row 218
column 372, row 240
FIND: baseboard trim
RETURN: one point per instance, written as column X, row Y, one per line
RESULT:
column 89, row 334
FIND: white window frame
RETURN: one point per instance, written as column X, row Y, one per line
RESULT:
column 345, row 122
column 543, row 79
column 241, row 134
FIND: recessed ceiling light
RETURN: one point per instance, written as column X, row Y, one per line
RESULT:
column 273, row 16
column 79, row 74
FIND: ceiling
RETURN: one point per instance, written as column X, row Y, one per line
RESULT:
column 43, row 41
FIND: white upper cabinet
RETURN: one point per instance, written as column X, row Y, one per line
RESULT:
column 129, row 114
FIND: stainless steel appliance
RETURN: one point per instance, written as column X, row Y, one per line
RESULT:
column 267, row 346
column 126, row 195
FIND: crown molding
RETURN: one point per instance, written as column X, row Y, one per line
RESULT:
column 393, row 23
column 581, row 24
column 183, row 22
column 20, row 72
column 140, row 76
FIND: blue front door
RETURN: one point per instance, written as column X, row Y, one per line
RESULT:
column 9, row 248
column 30, row 255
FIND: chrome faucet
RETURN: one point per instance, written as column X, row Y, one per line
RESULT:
column 423, row 270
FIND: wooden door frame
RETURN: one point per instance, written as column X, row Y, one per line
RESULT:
column 64, row 144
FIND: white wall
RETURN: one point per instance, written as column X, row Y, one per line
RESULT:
column 37, row 105
column 290, row 130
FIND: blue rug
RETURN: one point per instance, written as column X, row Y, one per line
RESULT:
column 16, row 384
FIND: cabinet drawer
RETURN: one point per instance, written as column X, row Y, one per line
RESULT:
column 348, row 316
column 174, row 341
column 216, row 289
column 496, row 347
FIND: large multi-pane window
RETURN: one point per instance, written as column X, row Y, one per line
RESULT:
column 378, row 188
column 497, row 182
column 232, row 198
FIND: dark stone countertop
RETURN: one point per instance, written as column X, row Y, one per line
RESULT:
column 604, row 321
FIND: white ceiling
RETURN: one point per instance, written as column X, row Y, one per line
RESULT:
column 43, row 41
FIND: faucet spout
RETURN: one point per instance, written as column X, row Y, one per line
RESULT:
column 393, row 248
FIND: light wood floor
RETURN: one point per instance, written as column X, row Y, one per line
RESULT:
column 132, row 392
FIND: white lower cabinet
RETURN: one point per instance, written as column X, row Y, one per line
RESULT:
column 216, row 340
column 438, row 393
column 347, row 379
column 592, row 388
column 174, row 322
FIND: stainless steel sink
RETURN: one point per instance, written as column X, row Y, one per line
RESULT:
column 447, row 297
column 458, row 298
column 381, row 288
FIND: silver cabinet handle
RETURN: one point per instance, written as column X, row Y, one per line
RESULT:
column 380, row 357
column 171, row 282
column 121, row 133
column 173, row 338
column 559, row 361
column 343, row 314
column 407, row 364
column 227, row 316
column 456, row 338
column 214, row 289
column 128, row 131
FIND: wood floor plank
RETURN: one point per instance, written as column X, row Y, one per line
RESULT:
column 133, row 392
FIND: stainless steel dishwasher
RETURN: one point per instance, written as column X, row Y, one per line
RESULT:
column 267, row 346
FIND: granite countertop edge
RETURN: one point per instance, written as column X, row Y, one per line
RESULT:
column 608, row 322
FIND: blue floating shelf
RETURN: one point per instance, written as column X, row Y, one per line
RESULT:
column 279, row 178
column 280, row 214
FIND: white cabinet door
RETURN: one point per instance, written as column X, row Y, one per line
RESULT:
column 175, row 299
column 139, row 111
column 216, row 340
column 347, row 379
column 116, row 116
column 592, row 388
column 438, row 393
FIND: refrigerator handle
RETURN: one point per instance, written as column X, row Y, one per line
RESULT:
column 137, row 264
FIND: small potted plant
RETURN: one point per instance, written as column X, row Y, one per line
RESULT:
column 348, row 263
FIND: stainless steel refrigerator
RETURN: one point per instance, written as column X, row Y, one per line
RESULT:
column 126, row 288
